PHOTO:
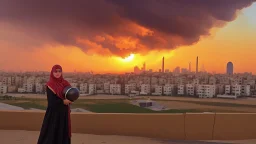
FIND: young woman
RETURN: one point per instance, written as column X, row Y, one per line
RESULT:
column 56, row 127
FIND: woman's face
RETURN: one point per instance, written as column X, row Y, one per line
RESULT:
column 57, row 73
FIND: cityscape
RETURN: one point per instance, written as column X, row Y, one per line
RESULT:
column 179, row 82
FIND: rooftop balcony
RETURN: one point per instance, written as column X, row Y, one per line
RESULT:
column 113, row 128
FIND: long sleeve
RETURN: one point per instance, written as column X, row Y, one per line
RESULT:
column 56, row 125
column 53, row 99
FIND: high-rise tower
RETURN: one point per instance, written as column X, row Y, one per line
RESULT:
column 163, row 65
column 230, row 68
column 197, row 64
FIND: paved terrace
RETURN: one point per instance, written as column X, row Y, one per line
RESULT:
column 30, row 137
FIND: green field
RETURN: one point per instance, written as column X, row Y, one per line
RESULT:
column 97, row 106
column 124, row 106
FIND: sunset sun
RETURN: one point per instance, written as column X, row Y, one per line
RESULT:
column 129, row 58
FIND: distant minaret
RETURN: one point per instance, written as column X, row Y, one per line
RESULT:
column 197, row 64
column 163, row 65
column 144, row 66
column 189, row 67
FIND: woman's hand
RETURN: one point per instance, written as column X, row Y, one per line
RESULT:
column 67, row 102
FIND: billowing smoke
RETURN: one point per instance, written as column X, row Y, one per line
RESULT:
column 115, row 27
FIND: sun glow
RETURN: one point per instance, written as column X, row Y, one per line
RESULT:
column 129, row 58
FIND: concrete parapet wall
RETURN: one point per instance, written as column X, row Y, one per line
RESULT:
column 235, row 126
column 193, row 126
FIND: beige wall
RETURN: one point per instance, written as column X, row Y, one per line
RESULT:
column 171, row 126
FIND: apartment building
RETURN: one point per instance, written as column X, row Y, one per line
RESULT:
column 127, row 88
column 168, row 89
column 100, row 87
column 5, row 81
column 224, row 80
column 29, row 87
column 181, row 90
column 115, row 89
column 9, row 81
column 106, row 87
column 221, row 89
column 154, row 80
column 21, row 90
column 245, row 90
column 228, row 89
column 237, row 81
column 206, row 91
column 3, row 89
column 74, row 85
column 145, row 89
column 212, row 80
column 190, row 89
column 236, row 90
column 92, row 89
column 38, row 80
column 146, row 80
column 249, row 82
column 83, row 88
column 39, row 88
column 196, row 81
column 30, row 80
column 158, row 90
column 162, row 81
column 18, row 81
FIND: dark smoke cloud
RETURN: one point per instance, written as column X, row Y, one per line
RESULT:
column 117, row 27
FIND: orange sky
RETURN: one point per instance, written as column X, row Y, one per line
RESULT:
column 234, row 42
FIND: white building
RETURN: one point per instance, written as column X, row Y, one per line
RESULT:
column 237, row 81
column 31, row 80
column 206, row 91
column 21, row 90
column 212, row 80
column 4, row 81
column 168, row 89
column 83, row 88
column 196, row 81
column 127, row 88
column 181, row 89
column 106, row 87
column 158, row 90
column 246, row 90
column 9, row 81
column 133, row 86
column 249, row 82
column 221, row 89
column 227, row 89
column 92, row 89
column 39, row 88
column 236, row 90
column 28, row 87
column 154, row 80
column 190, row 89
column 162, row 81
column 18, row 81
column 145, row 89
column 3, row 89
column 38, row 80
column 74, row 85
column 115, row 89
